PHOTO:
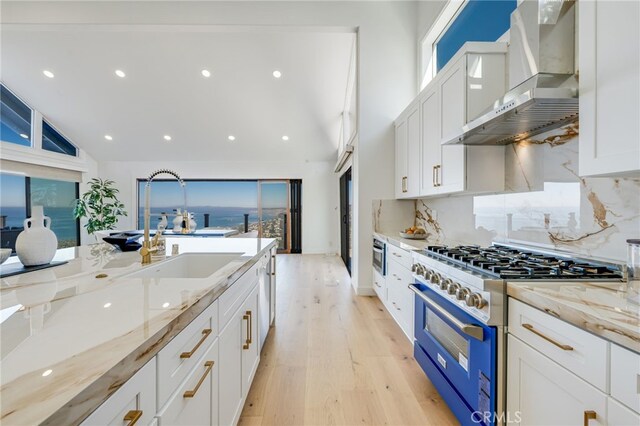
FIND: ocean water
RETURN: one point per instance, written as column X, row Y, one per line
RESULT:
column 219, row 217
column 62, row 221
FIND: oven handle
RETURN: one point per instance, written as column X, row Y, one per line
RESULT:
column 378, row 250
column 470, row 330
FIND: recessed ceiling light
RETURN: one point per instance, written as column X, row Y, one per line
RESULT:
column 108, row 137
column 277, row 74
column 24, row 135
column 48, row 73
column 231, row 138
column 285, row 138
column 107, row 305
column 46, row 373
column 120, row 73
column 167, row 138
column 166, row 304
column 206, row 73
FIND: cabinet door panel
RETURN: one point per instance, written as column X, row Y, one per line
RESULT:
column 401, row 157
column 199, row 408
column 541, row 392
column 430, row 110
column 230, row 342
column 619, row 415
column 413, row 153
column 609, row 87
column 453, row 101
column 251, row 347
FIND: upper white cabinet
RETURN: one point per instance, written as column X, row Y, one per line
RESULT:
column 408, row 152
column 462, row 90
column 609, row 66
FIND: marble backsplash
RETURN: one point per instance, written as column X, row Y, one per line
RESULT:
column 546, row 204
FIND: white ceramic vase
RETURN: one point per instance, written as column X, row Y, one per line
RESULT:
column 37, row 244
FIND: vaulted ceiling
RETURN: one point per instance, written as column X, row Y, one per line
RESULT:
column 164, row 92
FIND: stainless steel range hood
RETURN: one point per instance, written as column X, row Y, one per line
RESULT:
column 544, row 89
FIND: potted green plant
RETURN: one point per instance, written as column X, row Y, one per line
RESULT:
column 100, row 206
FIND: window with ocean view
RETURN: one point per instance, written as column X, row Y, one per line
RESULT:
column 15, row 119
column 224, row 204
column 19, row 193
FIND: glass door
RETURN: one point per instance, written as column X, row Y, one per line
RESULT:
column 346, row 216
column 274, row 214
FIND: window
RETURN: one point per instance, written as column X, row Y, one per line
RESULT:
column 15, row 119
column 53, row 141
column 57, row 197
column 227, row 204
column 19, row 193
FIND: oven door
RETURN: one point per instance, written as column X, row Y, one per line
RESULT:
column 460, row 349
column 379, row 257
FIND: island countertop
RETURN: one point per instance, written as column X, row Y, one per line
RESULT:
column 68, row 339
column 602, row 308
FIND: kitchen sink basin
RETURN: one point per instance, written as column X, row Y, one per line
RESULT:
column 188, row 265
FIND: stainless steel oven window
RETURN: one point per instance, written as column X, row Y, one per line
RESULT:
column 454, row 343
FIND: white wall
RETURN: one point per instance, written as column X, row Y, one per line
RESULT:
column 319, row 198
column 387, row 78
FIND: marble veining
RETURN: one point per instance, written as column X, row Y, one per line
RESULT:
column 546, row 204
column 609, row 310
column 69, row 339
column 403, row 243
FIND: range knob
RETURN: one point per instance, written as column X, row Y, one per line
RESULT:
column 418, row 269
column 474, row 300
column 426, row 272
column 444, row 284
column 462, row 293
column 435, row 278
column 453, row 288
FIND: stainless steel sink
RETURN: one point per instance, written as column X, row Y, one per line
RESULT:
column 188, row 265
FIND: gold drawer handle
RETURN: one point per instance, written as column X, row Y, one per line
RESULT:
column 132, row 417
column 205, row 333
column 192, row 393
column 248, row 317
column 589, row 415
column 548, row 339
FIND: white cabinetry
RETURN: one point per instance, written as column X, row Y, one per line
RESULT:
column 462, row 90
column 231, row 372
column 380, row 285
column 395, row 294
column 408, row 152
column 559, row 374
column 609, row 65
column 135, row 401
column 196, row 400
column 544, row 393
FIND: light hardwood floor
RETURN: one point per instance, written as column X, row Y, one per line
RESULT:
column 334, row 358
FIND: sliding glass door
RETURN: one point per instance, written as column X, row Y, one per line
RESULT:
column 274, row 212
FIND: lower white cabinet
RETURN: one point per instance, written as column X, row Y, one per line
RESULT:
column 619, row 415
column 541, row 392
column 395, row 293
column 134, row 402
column 196, row 400
column 379, row 285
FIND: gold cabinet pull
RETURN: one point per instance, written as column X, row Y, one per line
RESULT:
column 405, row 184
column 438, row 175
column 205, row 333
column 250, row 327
column 247, row 342
column 132, row 417
column 433, row 175
column 548, row 339
column 191, row 393
column 589, row 415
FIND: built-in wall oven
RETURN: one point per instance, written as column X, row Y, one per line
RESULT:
column 380, row 256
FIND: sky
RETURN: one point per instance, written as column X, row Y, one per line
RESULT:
column 12, row 190
column 216, row 194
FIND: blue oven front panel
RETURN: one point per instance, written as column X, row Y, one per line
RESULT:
column 462, row 368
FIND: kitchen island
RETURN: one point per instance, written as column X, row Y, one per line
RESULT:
column 72, row 335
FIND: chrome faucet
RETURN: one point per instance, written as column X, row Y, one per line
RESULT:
column 150, row 246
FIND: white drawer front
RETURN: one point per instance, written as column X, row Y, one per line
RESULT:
column 577, row 350
column 379, row 285
column 625, row 377
column 619, row 415
column 181, row 354
column 191, row 404
column 235, row 295
column 135, row 399
column 403, row 257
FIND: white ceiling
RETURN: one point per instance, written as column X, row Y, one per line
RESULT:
column 164, row 92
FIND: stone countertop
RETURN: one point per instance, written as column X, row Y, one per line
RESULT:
column 68, row 339
column 606, row 309
column 403, row 243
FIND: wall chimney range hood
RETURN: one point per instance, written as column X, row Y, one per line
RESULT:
column 544, row 88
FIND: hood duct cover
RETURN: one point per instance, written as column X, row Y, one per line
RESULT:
column 544, row 93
